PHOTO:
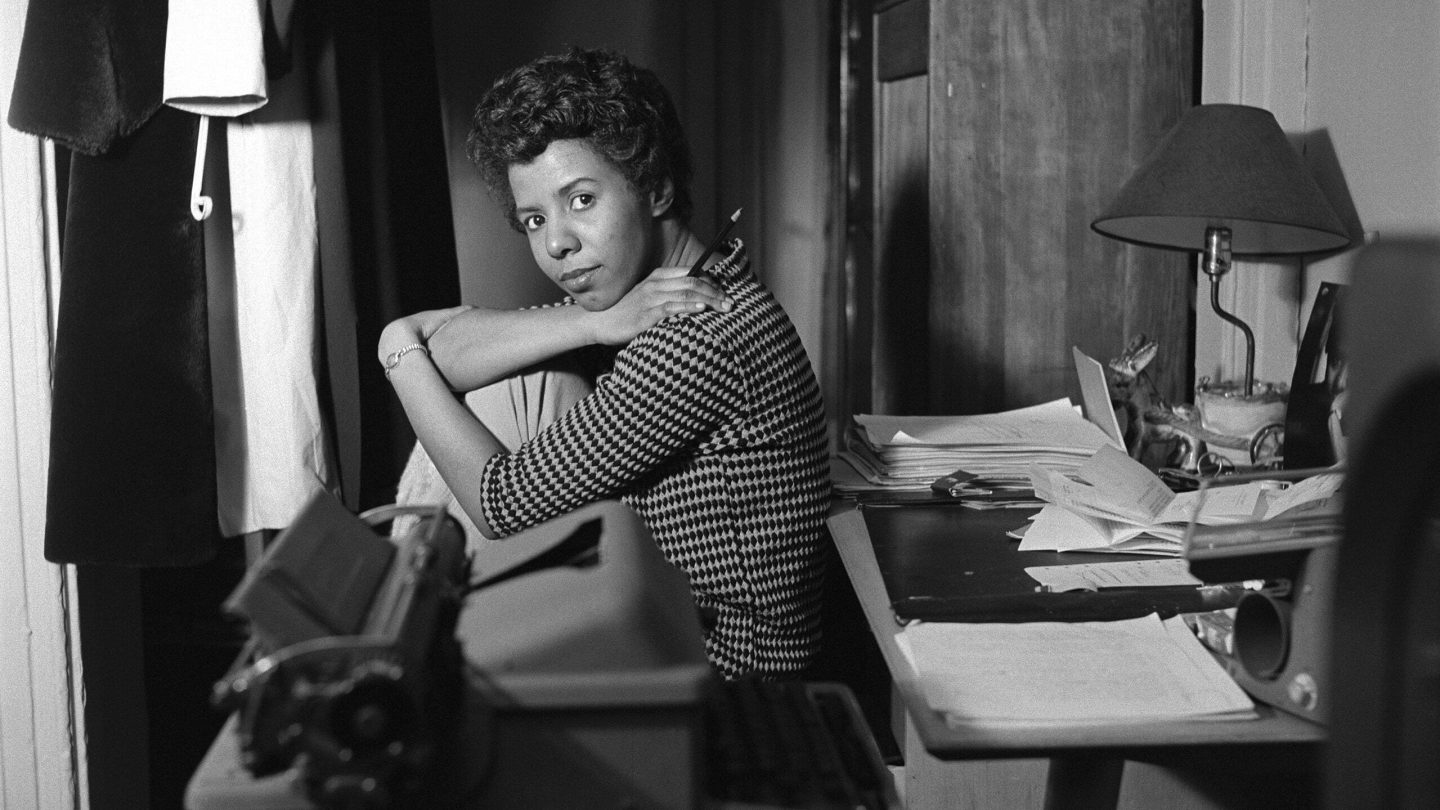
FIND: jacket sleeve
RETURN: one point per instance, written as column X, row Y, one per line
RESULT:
column 670, row 389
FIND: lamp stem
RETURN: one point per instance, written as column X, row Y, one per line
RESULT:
column 1216, row 263
column 1244, row 329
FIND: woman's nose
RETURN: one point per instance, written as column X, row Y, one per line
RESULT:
column 561, row 241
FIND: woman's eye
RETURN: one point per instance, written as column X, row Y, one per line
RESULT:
column 580, row 201
column 532, row 222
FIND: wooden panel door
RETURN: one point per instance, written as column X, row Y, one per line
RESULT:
column 986, row 135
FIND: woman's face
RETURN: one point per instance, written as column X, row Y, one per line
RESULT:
column 590, row 230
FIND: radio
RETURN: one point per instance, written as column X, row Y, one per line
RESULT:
column 1279, row 647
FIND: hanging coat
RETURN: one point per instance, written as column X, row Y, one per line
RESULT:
column 132, row 461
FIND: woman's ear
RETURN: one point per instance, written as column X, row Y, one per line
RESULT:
column 662, row 197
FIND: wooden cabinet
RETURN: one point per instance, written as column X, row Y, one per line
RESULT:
column 982, row 137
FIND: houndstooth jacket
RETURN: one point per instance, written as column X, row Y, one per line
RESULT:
column 711, row 426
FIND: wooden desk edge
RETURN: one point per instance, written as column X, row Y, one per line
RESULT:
column 852, row 540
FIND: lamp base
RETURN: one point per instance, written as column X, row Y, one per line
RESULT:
column 1225, row 409
column 1224, row 431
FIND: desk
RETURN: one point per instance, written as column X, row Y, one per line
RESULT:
column 940, row 549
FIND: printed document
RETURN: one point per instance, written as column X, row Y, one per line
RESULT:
column 1066, row 673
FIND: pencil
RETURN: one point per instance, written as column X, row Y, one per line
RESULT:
column 699, row 266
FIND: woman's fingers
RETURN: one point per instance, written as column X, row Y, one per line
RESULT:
column 681, row 293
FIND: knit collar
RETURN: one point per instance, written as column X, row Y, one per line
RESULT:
column 733, row 264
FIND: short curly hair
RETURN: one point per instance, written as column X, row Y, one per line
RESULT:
column 596, row 95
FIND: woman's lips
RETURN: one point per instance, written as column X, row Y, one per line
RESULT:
column 579, row 279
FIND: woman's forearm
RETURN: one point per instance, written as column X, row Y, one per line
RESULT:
column 458, row 444
column 480, row 346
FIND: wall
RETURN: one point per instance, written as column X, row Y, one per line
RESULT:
column 796, row 174
column 41, row 764
column 1372, row 101
column 1352, row 84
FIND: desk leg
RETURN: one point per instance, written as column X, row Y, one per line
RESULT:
column 935, row 784
column 1083, row 782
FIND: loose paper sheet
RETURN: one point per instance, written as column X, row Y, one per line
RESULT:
column 1119, row 505
column 1095, row 394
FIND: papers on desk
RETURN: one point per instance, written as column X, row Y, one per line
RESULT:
column 1128, row 574
column 1115, row 504
column 1063, row 673
column 910, row 452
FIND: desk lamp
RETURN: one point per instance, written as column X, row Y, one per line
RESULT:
column 1225, row 182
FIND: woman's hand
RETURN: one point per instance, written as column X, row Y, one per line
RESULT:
column 665, row 292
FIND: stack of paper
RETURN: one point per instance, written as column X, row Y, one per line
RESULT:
column 910, row 452
column 1116, row 504
column 1066, row 673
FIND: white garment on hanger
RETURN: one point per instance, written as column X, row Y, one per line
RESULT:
column 272, row 449
column 215, row 56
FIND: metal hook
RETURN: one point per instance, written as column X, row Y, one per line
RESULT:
column 200, row 205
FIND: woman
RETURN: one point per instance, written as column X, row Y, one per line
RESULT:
column 704, row 416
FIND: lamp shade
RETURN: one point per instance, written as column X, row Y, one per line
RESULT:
column 1225, row 165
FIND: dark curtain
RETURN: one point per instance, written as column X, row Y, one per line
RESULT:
column 385, row 216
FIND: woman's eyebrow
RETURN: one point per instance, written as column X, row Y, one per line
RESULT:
column 570, row 186
column 563, row 191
